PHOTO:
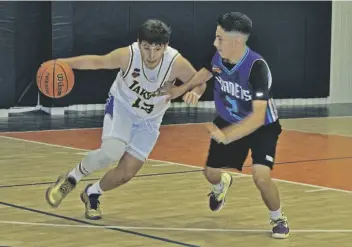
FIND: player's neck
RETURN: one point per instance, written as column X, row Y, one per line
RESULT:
column 237, row 55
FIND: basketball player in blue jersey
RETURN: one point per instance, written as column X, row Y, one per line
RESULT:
column 247, row 117
column 137, row 102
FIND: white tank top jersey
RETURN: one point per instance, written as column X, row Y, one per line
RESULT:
column 137, row 88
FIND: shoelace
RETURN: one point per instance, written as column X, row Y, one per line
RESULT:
column 65, row 188
column 278, row 221
column 213, row 194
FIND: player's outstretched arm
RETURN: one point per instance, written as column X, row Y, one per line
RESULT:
column 113, row 60
column 192, row 79
column 192, row 97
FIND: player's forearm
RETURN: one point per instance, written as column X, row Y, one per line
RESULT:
column 197, row 82
column 199, row 90
column 245, row 127
column 86, row 62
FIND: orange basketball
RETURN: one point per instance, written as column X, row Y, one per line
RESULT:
column 55, row 79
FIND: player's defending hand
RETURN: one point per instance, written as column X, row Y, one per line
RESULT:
column 191, row 98
column 168, row 89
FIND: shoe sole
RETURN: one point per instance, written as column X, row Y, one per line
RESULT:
column 280, row 236
column 47, row 198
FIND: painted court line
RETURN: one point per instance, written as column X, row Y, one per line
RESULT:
column 172, row 228
column 95, row 179
column 237, row 173
column 166, row 164
column 279, row 180
column 203, row 123
column 318, row 133
column 89, row 128
column 317, row 190
column 88, row 223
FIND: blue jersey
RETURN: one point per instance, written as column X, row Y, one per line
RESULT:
column 233, row 92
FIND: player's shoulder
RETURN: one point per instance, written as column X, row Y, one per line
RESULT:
column 256, row 57
column 173, row 58
column 178, row 63
column 260, row 65
column 171, row 54
column 120, row 56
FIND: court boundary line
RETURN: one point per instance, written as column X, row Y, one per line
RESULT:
column 317, row 133
column 203, row 123
column 275, row 179
column 95, row 179
column 87, row 128
column 84, row 222
column 171, row 228
column 185, row 165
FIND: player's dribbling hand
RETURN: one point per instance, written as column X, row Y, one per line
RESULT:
column 191, row 98
column 217, row 134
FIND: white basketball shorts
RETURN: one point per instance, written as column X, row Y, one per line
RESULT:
column 139, row 135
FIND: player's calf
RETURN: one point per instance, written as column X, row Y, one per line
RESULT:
column 110, row 151
column 270, row 196
column 124, row 172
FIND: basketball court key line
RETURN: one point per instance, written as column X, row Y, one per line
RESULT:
column 94, row 179
column 172, row 228
column 83, row 222
column 202, row 123
column 236, row 173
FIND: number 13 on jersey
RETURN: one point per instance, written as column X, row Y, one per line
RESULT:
column 138, row 103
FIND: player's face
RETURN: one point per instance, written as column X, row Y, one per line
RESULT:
column 151, row 53
column 225, row 43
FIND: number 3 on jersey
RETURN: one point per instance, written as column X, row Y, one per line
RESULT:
column 233, row 108
column 142, row 105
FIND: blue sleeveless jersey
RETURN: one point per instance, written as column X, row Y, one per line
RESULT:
column 232, row 91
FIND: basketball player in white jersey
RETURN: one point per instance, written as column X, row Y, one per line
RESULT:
column 133, row 112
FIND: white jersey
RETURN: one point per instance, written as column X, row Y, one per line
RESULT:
column 137, row 88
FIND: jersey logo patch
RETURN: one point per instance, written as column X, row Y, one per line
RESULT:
column 136, row 73
column 216, row 69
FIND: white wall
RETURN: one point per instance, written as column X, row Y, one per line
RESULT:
column 341, row 53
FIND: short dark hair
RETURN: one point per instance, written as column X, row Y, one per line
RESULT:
column 154, row 32
column 235, row 22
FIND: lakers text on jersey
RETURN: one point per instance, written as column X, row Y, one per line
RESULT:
column 138, row 87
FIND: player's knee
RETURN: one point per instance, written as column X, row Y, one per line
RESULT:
column 207, row 172
column 261, row 176
column 213, row 175
column 112, row 150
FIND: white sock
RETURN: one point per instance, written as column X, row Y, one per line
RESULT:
column 217, row 188
column 276, row 214
column 76, row 173
column 95, row 189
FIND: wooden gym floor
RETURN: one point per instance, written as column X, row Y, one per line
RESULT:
column 167, row 203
